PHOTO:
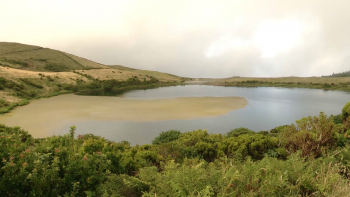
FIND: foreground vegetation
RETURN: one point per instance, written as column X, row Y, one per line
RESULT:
column 310, row 158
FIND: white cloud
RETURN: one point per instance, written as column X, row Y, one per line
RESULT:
column 274, row 37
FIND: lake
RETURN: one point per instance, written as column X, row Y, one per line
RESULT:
column 138, row 116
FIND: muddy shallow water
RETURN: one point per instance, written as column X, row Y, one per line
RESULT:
column 42, row 116
column 139, row 116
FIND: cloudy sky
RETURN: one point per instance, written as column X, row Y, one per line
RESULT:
column 194, row 38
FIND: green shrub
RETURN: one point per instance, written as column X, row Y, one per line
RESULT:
column 168, row 136
column 239, row 131
column 4, row 103
column 311, row 135
column 30, row 82
column 22, row 63
column 56, row 67
column 346, row 111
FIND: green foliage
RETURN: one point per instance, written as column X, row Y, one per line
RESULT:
column 51, row 167
column 18, row 62
column 165, row 137
column 254, row 146
column 4, row 103
column 56, row 67
column 32, row 83
column 346, row 111
column 6, row 109
column 10, row 84
column 239, row 131
column 268, row 177
column 311, row 135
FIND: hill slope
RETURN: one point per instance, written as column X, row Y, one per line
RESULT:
column 35, row 58
column 28, row 72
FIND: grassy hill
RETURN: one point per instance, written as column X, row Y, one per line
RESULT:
column 35, row 58
column 28, row 72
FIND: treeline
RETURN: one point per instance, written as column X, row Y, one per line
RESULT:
column 310, row 158
column 342, row 74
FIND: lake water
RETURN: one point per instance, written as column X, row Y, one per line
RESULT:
column 267, row 108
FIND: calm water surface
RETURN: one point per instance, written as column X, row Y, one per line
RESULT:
column 268, row 107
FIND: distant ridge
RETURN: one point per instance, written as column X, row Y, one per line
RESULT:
column 342, row 74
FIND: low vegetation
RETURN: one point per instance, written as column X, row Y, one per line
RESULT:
column 343, row 85
column 56, row 67
column 310, row 158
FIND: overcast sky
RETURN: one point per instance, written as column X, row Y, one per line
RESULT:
column 260, row 38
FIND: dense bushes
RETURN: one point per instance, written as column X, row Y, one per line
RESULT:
column 19, row 89
column 166, row 137
column 108, row 85
column 239, row 131
column 56, row 67
column 345, row 111
column 30, row 82
column 311, row 135
column 10, row 84
column 4, row 103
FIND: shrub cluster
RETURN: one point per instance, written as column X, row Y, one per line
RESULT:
column 56, row 67
column 32, row 83
column 5, row 83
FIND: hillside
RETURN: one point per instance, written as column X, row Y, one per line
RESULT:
column 29, row 72
column 35, row 58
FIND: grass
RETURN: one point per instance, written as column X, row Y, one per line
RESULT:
column 343, row 86
column 336, row 80
column 85, row 62
column 105, row 74
column 9, row 47
column 121, row 89
column 33, row 59
column 13, row 105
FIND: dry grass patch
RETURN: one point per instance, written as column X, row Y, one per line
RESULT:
column 5, row 96
column 105, row 74
column 63, row 77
